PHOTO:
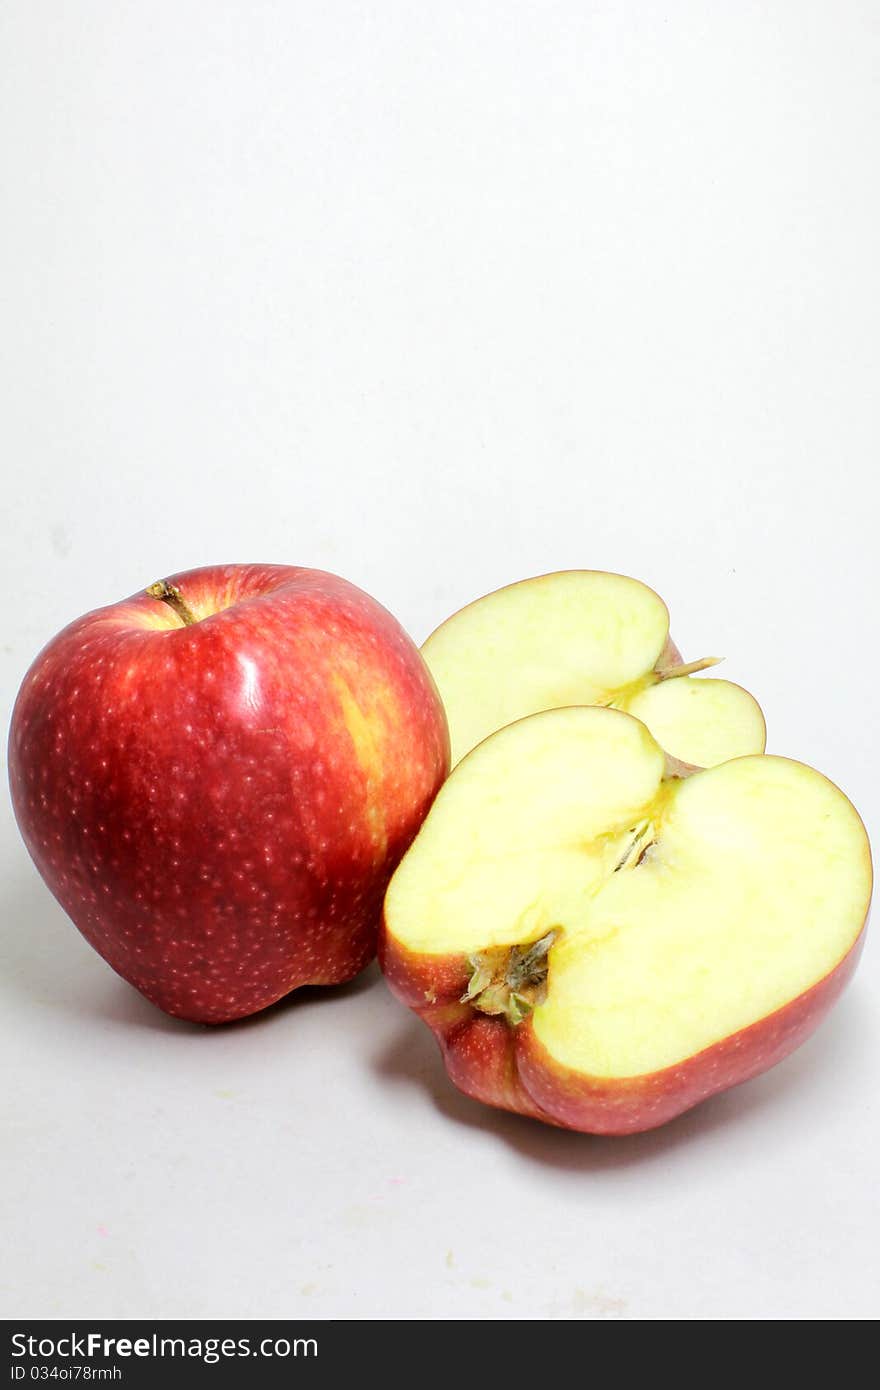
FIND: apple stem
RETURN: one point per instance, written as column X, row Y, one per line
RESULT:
column 686, row 668
column 170, row 594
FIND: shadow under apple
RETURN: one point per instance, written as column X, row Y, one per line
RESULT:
column 413, row 1058
column 47, row 962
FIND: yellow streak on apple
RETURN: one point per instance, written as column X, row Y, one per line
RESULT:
column 368, row 750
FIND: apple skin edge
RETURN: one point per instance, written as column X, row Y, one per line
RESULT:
column 219, row 807
column 508, row 1068
column 670, row 656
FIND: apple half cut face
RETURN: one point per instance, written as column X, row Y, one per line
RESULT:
column 582, row 637
column 601, row 944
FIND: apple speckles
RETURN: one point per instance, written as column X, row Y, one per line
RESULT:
column 162, row 786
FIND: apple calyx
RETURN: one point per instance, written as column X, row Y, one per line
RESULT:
column 509, row 980
column 170, row 594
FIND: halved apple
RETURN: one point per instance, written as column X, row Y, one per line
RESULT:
column 600, row 943
column 582, row 637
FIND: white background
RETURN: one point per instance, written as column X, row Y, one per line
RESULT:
column 436, row 295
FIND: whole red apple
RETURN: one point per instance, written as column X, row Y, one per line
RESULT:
column 217, row 776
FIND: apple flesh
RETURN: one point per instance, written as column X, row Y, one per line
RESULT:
column 600, row 943
column 582, row 637
column 217, row 777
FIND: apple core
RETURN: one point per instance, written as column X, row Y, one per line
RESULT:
column 628, row 918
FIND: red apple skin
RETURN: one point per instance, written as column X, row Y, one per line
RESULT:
column 508, row 1067
column 219, row 807
column 670, row 656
